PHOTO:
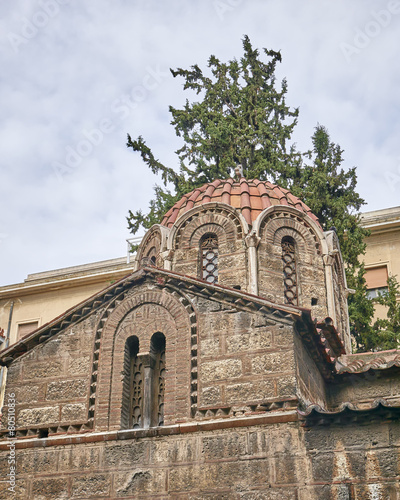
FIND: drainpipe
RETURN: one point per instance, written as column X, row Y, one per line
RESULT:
column 7, row 341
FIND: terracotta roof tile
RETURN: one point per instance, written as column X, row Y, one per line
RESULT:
column 250, row 197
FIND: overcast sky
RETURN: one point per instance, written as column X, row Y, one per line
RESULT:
column 77, row 76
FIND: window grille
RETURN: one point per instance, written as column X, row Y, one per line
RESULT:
column 209, row 258
column 289, row 270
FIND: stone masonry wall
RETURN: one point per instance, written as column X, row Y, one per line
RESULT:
column 244, row 359
column 51, row 382
column 260, row 462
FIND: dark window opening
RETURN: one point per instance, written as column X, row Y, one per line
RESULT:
column 157, row 350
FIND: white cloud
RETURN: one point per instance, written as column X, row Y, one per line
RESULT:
column 78, row 68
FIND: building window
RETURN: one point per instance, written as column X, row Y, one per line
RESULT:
column 209, row 258
column 289, row 270
column 25, row 328
column 132, row 406
column 376, row 278
column 157, row 350
column 143, row 384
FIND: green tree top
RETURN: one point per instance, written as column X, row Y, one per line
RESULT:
column 239, row 118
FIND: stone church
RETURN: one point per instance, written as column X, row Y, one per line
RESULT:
column 221, row 368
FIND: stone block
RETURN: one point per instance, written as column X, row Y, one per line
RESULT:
column 286, row 386
column 73, row 412
column 31, row 461
column 248, row 391
column 43, row 370
column 210, row 396
column 78, row 366
column 210, row 347
column 19, row 490
column 27, row 394
column 284, row 493
column 287, row 468
column 236, row 473
column 140, row 480
column 128, row 454
column 54, row 488
column 66, row 389
column 272, row 362
column 220, row 370
column 185, row 478
column 223, row 446
column 38, row 416
column 91, row 485
column 323, row 466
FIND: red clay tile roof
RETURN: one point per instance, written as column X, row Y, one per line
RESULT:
column 250, row 197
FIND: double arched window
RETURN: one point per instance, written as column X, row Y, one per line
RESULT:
column 144, row 384
column 209, row 258
column 289, row 270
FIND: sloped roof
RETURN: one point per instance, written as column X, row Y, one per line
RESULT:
column 322, row 352
column 250, row 197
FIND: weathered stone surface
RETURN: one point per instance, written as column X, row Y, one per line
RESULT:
column 37, row 416
column 184, row 478
column 139, row 480
column 27, row 394
column 286, row 385
column 127, row 453
column 66, row 389
column 221, row 369
column 78, row 366
column 91, row 485
column 224, row 446
column 210, row 396
column 44, row 488
column 29, row 462
column 43, row 370
column 281, row 361
column 73, row 412
column 19, row 490
column 248, row 391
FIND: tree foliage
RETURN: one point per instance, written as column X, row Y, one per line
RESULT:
column 240, row 117
column 386, row 332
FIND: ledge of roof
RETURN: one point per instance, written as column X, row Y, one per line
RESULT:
column 363, row 362
column 351, row 413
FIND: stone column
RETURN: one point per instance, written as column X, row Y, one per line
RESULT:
column 252, row 242
column 148, row 362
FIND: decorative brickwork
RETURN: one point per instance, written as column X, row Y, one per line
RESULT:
column 142, row 314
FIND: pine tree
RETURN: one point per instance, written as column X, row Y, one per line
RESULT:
column 330, row 192
column 241, row 118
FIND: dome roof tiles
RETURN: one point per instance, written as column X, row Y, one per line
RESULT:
column 250, row 197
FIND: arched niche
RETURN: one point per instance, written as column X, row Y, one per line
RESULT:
column 229, row 227
column 142, row 315
column 152, row 246
column 273, row 226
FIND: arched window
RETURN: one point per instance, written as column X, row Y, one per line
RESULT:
column 157, row 350
column 133, row 386
column 209, row 258
column 143, row 384
column 289, row 270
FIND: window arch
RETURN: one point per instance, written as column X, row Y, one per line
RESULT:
column 132, row 401
column 289, row 270
column 209, row 258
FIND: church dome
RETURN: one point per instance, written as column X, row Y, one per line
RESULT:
column 250, row 197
